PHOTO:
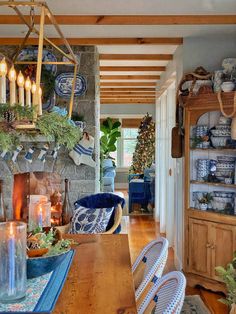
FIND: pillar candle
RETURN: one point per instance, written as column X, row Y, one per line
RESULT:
column 20, row 83
column 3, row 72
column 12, row 79
column 28, row 92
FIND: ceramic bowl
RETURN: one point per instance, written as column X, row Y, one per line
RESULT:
column 227, row 86
column 219, row 141
column 226, row 158
column 39, row 266
column 224, row 120
column 223, row 194
column 220, row 132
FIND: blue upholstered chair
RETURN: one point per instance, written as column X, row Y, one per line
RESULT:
column 102, row 200
column 109, row 174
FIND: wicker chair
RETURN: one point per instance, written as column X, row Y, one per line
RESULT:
column 117, row 220
column 166, row 296
column 149, row 265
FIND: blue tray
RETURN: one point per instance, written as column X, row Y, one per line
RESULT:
column 50, row 294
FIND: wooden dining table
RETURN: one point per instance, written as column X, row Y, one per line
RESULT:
column 100, row 278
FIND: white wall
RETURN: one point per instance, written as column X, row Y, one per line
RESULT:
column 208, row 51
column 128, row 109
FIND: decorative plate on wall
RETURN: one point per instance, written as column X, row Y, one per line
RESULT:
column 50, row 103
column 63, row 85
column 31, row 54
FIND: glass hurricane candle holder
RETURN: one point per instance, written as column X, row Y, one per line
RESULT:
column 39, row 214
column 12, row 261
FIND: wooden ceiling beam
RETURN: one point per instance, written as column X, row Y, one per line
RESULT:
column 130, row 19
column 159, row 57
column 122, row 89
column 127, row 101
column 128, row 97
column 98, row 41
column 129, row 77
column 104, row 92
column 132, row 68
column 118, row 84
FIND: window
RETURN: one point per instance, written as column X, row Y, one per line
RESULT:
column 128, row 143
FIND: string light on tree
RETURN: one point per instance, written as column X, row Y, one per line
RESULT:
column 144, row 153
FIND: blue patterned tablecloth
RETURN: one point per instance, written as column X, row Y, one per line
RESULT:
column 42, row 292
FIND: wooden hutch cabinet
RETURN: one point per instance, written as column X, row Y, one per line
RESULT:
column 210, row 235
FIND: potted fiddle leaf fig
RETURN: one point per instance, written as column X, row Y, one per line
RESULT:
column 228, row 275
column 110, row 133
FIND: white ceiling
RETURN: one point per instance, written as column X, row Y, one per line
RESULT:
column 133, row 7
column 142, row 7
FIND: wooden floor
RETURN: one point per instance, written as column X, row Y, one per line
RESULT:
column 142, row 230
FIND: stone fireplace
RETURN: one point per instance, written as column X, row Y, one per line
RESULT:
column 84, row 180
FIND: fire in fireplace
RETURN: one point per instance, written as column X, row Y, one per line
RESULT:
column 37, row 183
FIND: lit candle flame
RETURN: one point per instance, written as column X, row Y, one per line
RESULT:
column 20, row 80
column 11, row 231
column 28, row 84
column 3, row 67
column 12, row 74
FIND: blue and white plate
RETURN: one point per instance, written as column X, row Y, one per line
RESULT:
column 31, row 54
column 63, row 85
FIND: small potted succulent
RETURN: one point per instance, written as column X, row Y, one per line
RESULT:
column 228, row 275
column 204, row 201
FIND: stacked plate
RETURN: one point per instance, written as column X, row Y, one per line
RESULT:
column 222, row 132
column 222, row 200
column 225, row 167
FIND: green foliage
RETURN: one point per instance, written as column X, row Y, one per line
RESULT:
column 109, row 137
column 20, row 113
column 58, row 128
column 206, row 199
column 8, row 140
column 228, row 275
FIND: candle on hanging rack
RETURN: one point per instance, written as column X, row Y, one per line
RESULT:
column 33, row 91
column 3, row 73
column 20, row 83
column 12, row 79
column 11, row 254
column 40, row 102
column 28, row 92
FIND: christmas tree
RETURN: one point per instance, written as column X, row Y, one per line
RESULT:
column 144, row 153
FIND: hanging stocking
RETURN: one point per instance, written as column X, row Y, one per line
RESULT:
column 29, row 154
column 55, row 151
column 16, row 153
column 43, row 153
column 5, row 155
column 82, row 152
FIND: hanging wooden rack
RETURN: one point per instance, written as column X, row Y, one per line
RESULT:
column 44, row 11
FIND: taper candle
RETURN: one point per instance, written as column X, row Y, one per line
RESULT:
column 40, row 102
column 28, row 92
column 11, row 254
column 12, row 79
column 3, row 72
column 33, row 90
column 40, row 216
column 20, row 83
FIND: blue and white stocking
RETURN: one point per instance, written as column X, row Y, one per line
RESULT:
column 29, row 154
column 43, row 153
column 55, row 151
column 16, row 153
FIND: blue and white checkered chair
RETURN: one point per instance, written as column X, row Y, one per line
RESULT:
column 154, row 256
column 166, row 296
